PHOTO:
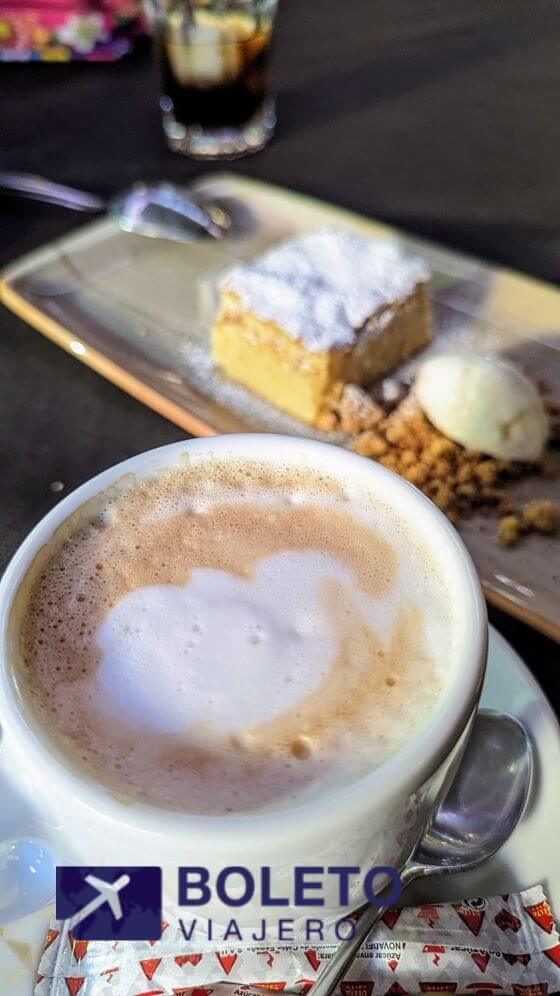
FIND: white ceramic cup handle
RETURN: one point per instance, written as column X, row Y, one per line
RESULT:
column 27, row 864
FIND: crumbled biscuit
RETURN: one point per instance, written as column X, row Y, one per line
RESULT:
column 395, row 434
column 487, row 472
column 467, row 491
column 418, row 474
column 357, row 411
column 408, row 458
column 464, row 474
column 509, row 531
column 390, row 460
column 443, row 469
column 369, row 443
column 458, row 480
column 443, row 497
column 444, row 448
column 542, row 515
column 327, row 421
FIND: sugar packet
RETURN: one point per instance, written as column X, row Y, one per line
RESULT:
column 502, row 944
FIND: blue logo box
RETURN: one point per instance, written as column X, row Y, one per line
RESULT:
column 110, row 903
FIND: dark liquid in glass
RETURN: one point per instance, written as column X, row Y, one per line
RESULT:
column 217, row 78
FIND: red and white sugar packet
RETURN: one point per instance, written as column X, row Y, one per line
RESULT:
column 504, row 944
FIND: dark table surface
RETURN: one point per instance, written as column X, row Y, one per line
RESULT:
column 441, row 117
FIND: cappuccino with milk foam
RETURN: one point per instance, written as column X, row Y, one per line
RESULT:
column 233, row 636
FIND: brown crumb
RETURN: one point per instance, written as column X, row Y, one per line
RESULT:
column 542, row 515
column 509, row 531
column 327, row 421
column 468, row 491
column 396, row 433
column 390, row 460
column 464, row 473
column 443, row 470
column 357, row 411
column 370, row 444
column 408, row 458
column 443, row 496
column 444, row 448
column 418, row 474
column 487, row 472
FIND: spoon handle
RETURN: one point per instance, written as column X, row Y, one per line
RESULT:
column 38, row 188
column 336, row 968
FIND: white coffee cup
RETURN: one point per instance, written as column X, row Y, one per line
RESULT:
column 375, row 821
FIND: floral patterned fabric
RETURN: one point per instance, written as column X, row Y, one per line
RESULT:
column 60, row 30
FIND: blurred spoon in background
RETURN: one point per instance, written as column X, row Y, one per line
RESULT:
column 157, row 210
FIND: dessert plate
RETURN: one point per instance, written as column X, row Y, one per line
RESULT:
column 139, row 312
column 529, row 857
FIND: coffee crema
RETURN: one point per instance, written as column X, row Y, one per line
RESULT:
column 229, row 636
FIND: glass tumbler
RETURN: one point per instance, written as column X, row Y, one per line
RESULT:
column 214, row 58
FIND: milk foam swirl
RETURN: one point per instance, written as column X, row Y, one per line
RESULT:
column 236, row 652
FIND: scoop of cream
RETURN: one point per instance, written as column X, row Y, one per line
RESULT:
column 484, row 404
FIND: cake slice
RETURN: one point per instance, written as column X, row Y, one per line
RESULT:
column 317, row 312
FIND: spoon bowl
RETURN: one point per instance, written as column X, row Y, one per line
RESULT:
column 475, row 816
column 158, row 210
column 485, row 800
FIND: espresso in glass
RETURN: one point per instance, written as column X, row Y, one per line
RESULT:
column 214, row 64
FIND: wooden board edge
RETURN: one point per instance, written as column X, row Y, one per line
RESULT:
column 105, row 367
column 532, row 619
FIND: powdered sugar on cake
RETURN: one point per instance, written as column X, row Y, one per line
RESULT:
column 321, row 289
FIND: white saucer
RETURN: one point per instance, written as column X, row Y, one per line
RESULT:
column 530, row 856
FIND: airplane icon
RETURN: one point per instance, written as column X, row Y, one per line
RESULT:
column 108, row 893
column 126, row 903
